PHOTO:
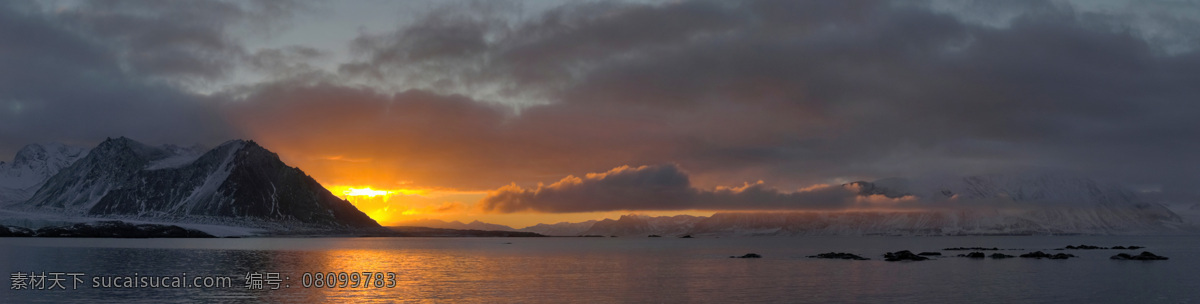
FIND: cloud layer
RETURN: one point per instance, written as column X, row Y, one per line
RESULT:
column 792, row 92
column 665, row 187
column 62, row 83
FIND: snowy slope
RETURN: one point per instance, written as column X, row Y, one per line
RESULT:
column 179, row 157
column 238, row 182
column 642, row 225
column 1189, row 212
column 989, row 204
column 31, row 167
column 1041, row 189
column 941, row 222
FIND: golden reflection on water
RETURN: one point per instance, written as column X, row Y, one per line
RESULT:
column 413, row 274
column 354, row 263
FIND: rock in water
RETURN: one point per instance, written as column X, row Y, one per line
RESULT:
column 1145, row 256
column 838, row 255
column 747, row 256
column 903, row 255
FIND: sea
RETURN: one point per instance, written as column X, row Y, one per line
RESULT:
column 592, row 270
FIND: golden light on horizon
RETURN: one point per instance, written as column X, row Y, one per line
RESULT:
column 354, row 192
column 368, row 192
column 375, row 203
column 380, row 215
column 387, row 205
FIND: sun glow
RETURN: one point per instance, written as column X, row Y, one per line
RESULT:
column 357, row 193
column 368, row 192
column 390, row 205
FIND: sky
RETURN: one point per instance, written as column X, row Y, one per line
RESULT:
column 519, row 112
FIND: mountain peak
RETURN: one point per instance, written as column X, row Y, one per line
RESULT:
column 235, row 142
column 237, row 181
column 251, row 149
column 29, row 153
column 34, row 153
column 126, row 146
column 119, row 141
column 32, row 166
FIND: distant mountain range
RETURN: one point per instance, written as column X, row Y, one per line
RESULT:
column 977, row 205
column 238, row 182
column 559, row 229
column 475, row 225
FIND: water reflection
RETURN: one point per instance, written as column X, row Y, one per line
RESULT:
column 604, row 270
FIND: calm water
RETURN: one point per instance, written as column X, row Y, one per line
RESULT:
column 615, row 270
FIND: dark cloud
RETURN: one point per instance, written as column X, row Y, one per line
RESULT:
column 665, row 187
column 286, row 63
column 800, row 92
column 413, row 135
column 791, row 92
column 177, row 40
column 57, row 84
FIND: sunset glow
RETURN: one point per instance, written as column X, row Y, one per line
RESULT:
column 623, row 151
column 348, row 192
column 515, row 133
column 393, row 205
column 365, row 192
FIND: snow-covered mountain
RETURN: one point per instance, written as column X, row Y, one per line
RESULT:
column 31, row 167
column 633, row 225
column 237, row 182
column 990, row 205
column 561, row 228
column 474, row 225
column 1189, row 212
column 939, row 222
column 1037, row 203
column 1041, row 189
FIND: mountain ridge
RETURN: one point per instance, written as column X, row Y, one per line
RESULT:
column 973, row 205
column 242, row 182
column 238, row 181
column 32, row 166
